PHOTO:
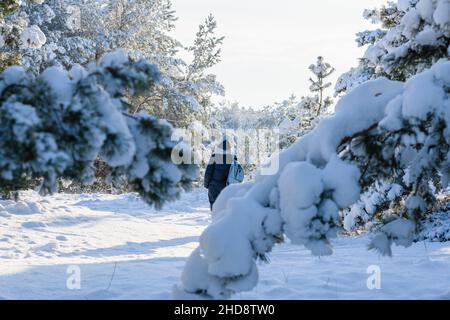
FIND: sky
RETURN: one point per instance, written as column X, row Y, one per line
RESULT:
column 270, row 44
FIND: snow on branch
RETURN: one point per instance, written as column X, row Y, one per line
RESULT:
column 58, row 123
column 314, row 182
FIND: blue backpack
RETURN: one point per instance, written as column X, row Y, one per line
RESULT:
column 236, row 173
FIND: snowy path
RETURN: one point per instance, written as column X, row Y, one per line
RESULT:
column 125, row 250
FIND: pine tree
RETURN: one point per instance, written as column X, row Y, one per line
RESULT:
column 413, row 36
column 300, row 117
column 185, row 96
column 321, row 71
column 48, row 33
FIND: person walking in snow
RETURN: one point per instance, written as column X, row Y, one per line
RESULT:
column 217, row 171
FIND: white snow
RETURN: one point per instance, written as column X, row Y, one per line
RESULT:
column 21, row 207
column 415, row 103
column 342, row 179
column 411, row 23
column 59, row 83
column 306, row 219
column 373, row 53
column 426, row 9
column 125, row 250
column 393, row 119
column 12, row 75
column 33, row 37
column 233, row 190
column 41, row 236
column 442, row 14
column 404, row 5
column 402, row 229
column 25, row 118
column 427, row 37
column 115, row 58
column 305, row 194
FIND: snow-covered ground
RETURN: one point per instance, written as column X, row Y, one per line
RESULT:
column 126, row 250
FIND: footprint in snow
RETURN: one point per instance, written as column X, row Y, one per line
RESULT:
column 4, row 214
column 24, row 208
column 33, row 225
column 49, row 247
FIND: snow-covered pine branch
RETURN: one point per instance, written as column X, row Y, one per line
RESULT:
column 386, row 136
column 57, row 123
column 318, row 177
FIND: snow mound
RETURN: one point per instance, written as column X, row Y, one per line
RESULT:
column 20, row 207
